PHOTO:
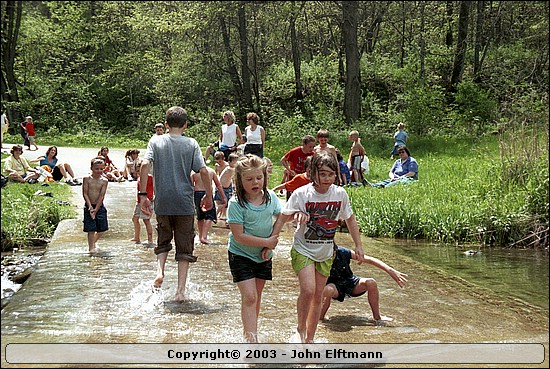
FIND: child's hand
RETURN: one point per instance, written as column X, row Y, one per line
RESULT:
column 146, row 206
column 93, row 212
column 271, row 241
column 398, row 277
column 301, row 218
column 266, row 254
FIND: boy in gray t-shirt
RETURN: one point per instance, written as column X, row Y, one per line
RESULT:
column 174, row 157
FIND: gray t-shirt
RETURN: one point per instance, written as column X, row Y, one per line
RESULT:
column 174, row 157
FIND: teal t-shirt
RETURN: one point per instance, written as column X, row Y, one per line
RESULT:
column 256, row 220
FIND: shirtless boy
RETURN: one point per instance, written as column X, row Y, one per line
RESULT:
column 94, row 188
column 205, row 218
column 221, row 164
column 226, row 179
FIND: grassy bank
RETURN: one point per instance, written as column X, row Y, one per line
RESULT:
column 487, row 190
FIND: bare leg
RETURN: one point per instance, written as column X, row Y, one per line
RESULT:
column 200, row 226
column 250, row 303
column 161, row 258
column 69, row 170
column 329, row 292
column 205, row 228
column 315, row 307
column 137, row 229
column 91, row 243
column 149, row 229
column 62, row 171
column 183, row 267
column 306, row 277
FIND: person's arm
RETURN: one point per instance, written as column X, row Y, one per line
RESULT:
column 239, row 135
column 353, row 229
column 286, row 165
column 398, row 277
column 278, row 187
column 219, row 186
column 206, row 202
column 102, row 192
column 237, row 230
column 262, row 134
column 143, row 199
column 37, row 160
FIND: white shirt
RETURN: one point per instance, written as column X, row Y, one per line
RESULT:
column 254, row 137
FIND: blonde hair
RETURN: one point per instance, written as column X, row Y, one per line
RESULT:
column 354, row 133
column 247, row 163
column 400, row 126
column 229, row 114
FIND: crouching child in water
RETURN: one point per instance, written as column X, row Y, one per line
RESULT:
column 343, row 283
column 94, row 188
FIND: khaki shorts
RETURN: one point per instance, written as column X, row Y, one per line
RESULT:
column 181, row 229
column 139, row 213
column 300, row 261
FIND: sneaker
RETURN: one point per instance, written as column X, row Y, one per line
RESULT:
column 76, row 182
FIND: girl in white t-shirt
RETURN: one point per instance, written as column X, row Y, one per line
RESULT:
column 316, row 207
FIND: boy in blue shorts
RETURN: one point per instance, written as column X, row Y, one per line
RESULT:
column 206, row 218
column 94, row 188
column 343, row 283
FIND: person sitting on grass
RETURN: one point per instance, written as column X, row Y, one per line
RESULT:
column 404, row 170
column 59, row 170
column 343, row 283
column 18, row 169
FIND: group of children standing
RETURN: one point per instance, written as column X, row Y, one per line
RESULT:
column 255, row 216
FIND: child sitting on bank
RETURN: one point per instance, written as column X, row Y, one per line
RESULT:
column 138, row 214
column 343, row 283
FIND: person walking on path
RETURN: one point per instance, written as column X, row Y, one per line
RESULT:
column 174, row 157
column 24, row 133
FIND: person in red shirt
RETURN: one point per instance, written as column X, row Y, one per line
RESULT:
column 294, row 160
column 299, row 180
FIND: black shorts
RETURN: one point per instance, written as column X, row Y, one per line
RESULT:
column 243, row 268
column 345, row 288
column 204, row 215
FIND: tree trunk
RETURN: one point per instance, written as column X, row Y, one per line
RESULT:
column 245, row 71
column 402, row 46
column 461, row 44
column 422, row 46
column 352, row 97
column 11, row 21
column 296, row 60
column 232, row 69
column 449, row 34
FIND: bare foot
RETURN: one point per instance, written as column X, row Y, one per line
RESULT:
column 179, row 297
column 158, row 281
column 205, row 241
column 94, row 251
column 382, row 321
column 135, row 240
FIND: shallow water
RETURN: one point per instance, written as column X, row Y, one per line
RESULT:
column 75, row 298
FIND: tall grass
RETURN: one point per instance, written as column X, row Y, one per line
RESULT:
column 488, row 193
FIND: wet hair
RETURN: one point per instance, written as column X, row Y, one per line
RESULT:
column 405, row 148
column 244, row 164
column 50, row 149
column 319, row 160
column 16, row 147
column 219, row 155
column 176, row 117
column 232, row 157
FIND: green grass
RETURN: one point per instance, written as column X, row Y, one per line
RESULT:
column 25, row 215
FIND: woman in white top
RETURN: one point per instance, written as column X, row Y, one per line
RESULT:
column 228, row 134
column 255, row 136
